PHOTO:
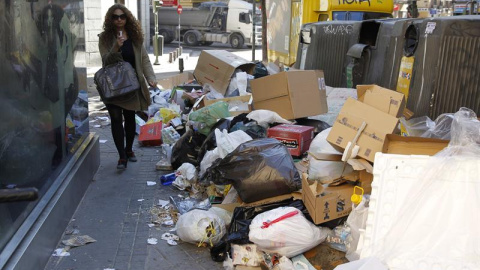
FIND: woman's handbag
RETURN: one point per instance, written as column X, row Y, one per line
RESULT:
column 116, row 81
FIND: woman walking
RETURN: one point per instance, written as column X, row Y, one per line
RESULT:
column 122, row 40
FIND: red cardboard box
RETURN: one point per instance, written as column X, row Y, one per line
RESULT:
column 151, row 134
column 295, row 137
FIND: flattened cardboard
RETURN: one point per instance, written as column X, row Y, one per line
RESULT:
column 231, row 206
column 292, row 94
column 216, row 67
column 326, row 203
column 171, row 82
column 386, row 100
column 372, row 139
column 401, row 145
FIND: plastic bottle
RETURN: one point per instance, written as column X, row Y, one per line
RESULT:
column 167, row 179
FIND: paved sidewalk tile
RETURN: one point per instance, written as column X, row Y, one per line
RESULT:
column 116, row 210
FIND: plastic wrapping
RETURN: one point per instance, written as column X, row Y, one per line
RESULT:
column 356, row 221
column 425, row 127
column 285, row 231
column 436, row 226
column 265, row 117
column 200, row 226
column 258, row 169
column 186, row 149
column 227, row 142
column 185, row 205
column 204, row 119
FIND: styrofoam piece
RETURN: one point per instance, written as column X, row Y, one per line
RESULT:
column 395, row 176
column 363, row 264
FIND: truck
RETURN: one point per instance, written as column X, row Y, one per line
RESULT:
column 283, row 38
column 224, row 22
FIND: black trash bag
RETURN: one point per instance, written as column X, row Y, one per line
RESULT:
column 260, row 70
column 219, row 251
column 258, row 169
column 210, row 142
column 186, row 149
column 318, row 125
column 252, row 129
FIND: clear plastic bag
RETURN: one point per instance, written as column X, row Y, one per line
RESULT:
column 437, row 226
column 425, row 127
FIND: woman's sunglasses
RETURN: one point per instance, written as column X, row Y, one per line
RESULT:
column 116, row 17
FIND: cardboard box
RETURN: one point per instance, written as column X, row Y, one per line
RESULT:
column 351, row 117
column 171, row 82
column 247, row 100
column 395, row 144
column 326, row 203
column 151, row 134
column 216, row 67
column 296, row 138
column 386, row 100
column 292, row 94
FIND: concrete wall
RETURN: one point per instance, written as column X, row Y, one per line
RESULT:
column 94, row 16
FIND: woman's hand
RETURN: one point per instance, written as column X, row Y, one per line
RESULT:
column 120, row 40
column 153, row 84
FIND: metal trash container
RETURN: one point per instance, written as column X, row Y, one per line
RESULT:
column 324, row 45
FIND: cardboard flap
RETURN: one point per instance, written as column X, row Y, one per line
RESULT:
column 385, row 100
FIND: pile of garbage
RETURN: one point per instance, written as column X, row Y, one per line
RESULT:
column 268, row 182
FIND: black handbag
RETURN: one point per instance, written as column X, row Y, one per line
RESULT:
column 116, row 81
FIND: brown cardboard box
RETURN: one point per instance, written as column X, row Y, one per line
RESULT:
column 386, row 100
column 350, row 118
column 292, row 94
column 395, row 144
column 365, row 180
column 326, row 203
column 171, row 82
column 216, row 67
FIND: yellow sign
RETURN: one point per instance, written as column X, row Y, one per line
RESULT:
column 405, row 75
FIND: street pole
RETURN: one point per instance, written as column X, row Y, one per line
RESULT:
column 254, row 12
column 155, row 41
column 180, row 59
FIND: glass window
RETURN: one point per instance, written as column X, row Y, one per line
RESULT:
column 43, row 102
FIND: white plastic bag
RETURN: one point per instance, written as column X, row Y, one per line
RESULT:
column 324, row 171
column 200, row 226
column 357, row 220
column 186, row 176
column 225, row 215
column 266, row 117
column 207, row 161
column 287, row 232
column 227, row 142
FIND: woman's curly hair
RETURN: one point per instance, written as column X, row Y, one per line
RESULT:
column 132, row 25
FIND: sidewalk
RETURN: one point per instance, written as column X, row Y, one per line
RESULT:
column 116, row 208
